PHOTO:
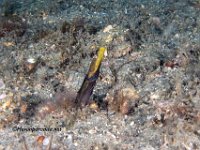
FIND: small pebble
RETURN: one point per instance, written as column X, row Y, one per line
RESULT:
column 46, row 141
column 92, row 131
column 40, row 139
column 2, row 96
column 2, row 85
column 69, row 141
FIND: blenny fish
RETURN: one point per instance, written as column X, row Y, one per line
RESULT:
column 89, row 82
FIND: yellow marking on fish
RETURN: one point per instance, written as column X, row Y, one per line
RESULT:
column 96, row 62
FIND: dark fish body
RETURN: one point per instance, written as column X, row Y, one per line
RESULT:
column 86, row 90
